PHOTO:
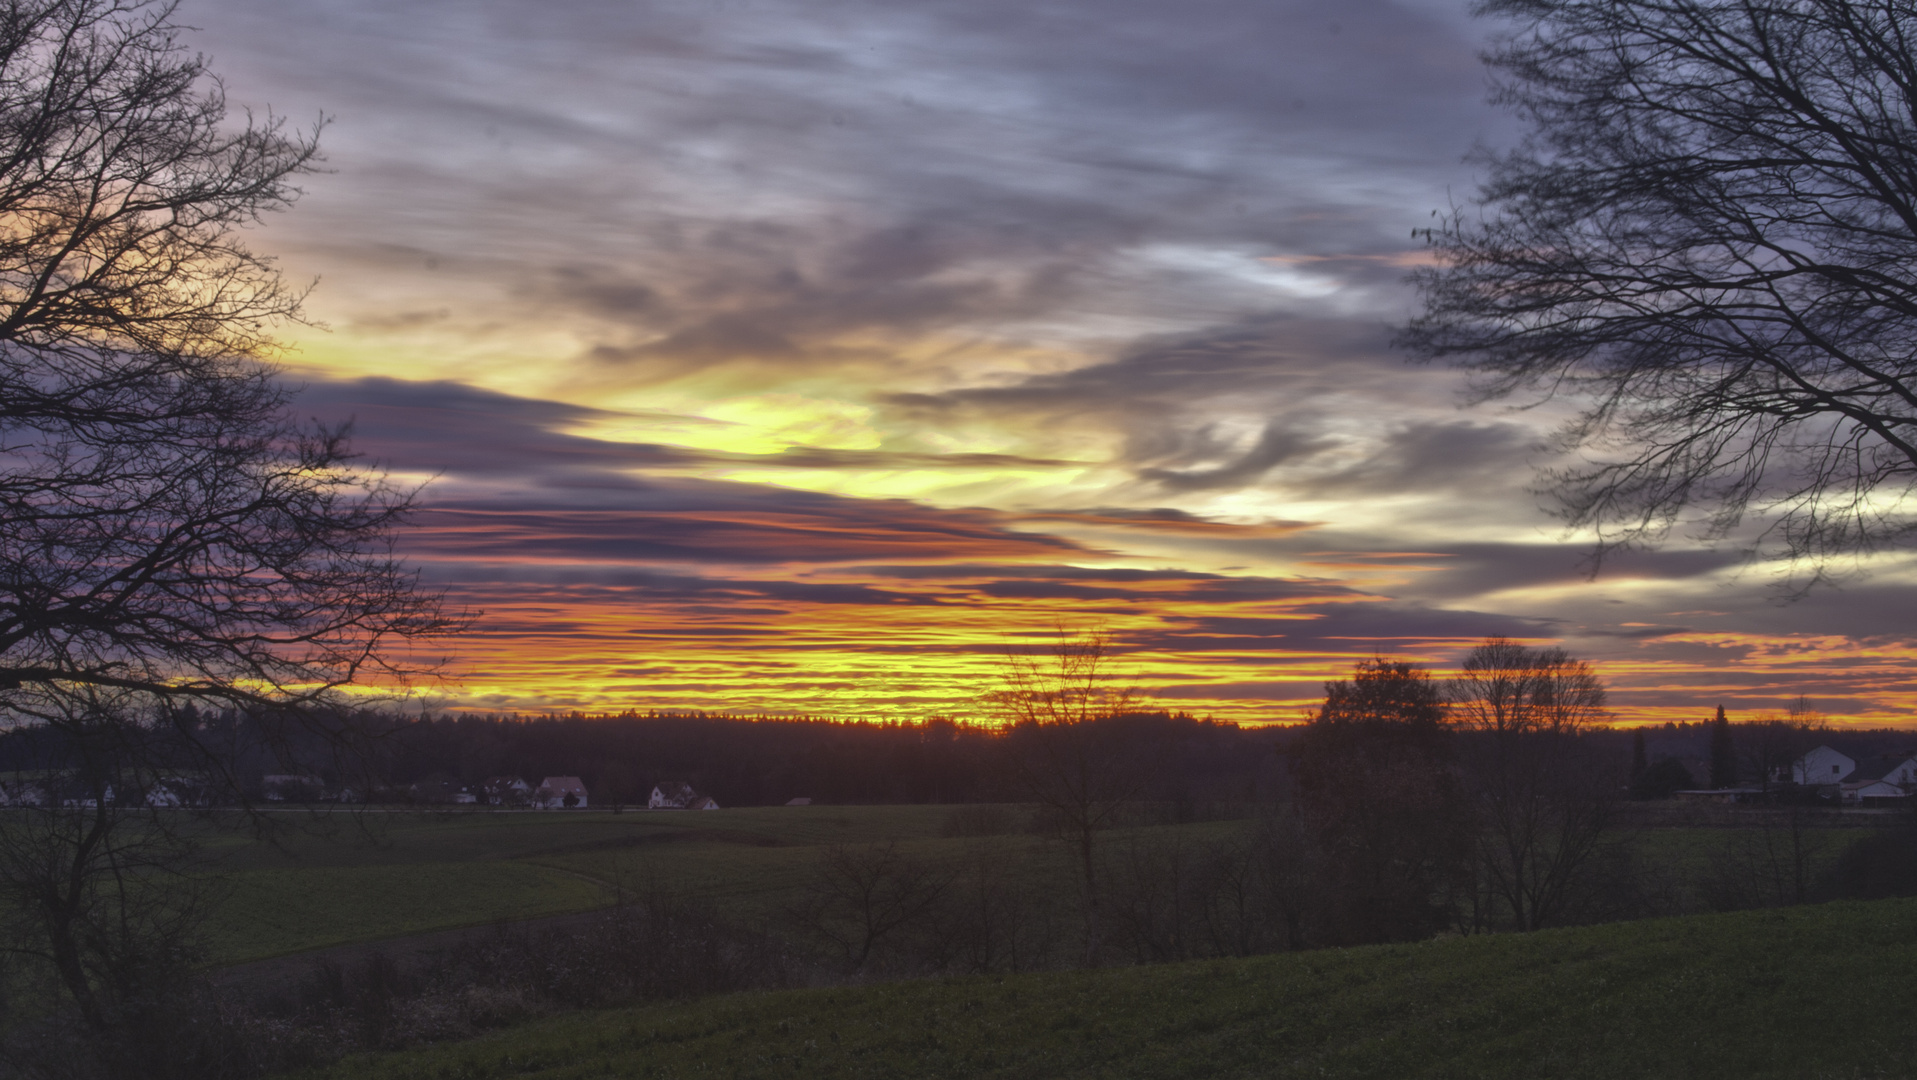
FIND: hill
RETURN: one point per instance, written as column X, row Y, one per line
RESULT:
column 1824, row 991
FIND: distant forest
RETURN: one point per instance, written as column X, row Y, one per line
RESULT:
column 762, row 761
column 1190, row 766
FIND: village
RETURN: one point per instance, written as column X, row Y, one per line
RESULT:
column 1822, row 776
column 500, row 792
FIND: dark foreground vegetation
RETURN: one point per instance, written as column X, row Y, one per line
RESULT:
column 884, row 897
column 1821, row 991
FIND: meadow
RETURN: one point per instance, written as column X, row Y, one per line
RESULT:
column 1815, row 991
column 330, row 878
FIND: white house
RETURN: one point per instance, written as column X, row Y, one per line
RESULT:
column 22, row 793
column 1881, row 781
column 671, row 795
column 1823, row 766
column 560, row 793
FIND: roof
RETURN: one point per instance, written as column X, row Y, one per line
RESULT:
column 1876, row 768
column 563, row 785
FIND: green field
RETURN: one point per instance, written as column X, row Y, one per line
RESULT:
column 342, row 879
column 337, row 880
column 269, row 913
column 1822, row 991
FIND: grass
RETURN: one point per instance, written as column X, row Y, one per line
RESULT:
column 1821, row 991
column 340, row 879
column 269, row 913
column 336, row 879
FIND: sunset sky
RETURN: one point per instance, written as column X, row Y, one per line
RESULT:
column 802, row 356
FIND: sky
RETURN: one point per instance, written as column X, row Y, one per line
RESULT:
column 806, row 356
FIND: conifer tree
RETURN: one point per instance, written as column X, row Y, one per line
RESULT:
column 1639, row 762
column 1723, row 754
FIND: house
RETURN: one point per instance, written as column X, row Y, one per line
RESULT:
column 671, row 795
column 703, row 802
column 172, row 792
column 1886, row 780
column 79, row 797
column 560, row 793
column 505, row 791
column 801, row 801
column 1822, row 766
column 22, row 793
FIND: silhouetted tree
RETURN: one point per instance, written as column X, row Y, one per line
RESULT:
column 1768, row 746
column 1723, row 752
column 1639, row 762
column 1377, row 790
column 1542, row 796
column 169, row 534
column 1070, row 755
column 862, row 897
column 1708, row 243
column 1666, row 775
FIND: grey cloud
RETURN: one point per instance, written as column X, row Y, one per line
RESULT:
column 1459, row 455
column 1342, row 626
column 1474, row 569
column 934, row 163
column 1278, row 445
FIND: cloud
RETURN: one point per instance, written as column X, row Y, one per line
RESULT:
column 868, row 335
column 1277, row 446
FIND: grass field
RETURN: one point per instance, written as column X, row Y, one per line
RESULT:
column 343, row 879
column 340, row 880
column 273, row 912
column 1824, row 991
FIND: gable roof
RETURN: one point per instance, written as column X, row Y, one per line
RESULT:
column 562, row 785
column 1876, row 768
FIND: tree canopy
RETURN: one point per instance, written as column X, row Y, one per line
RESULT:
column 1708, row 243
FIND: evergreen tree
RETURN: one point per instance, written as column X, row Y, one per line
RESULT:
column 1639, row 763
column 1723, row 754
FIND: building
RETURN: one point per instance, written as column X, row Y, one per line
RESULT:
column 1822, row 766
column 560, row 793
column 1881, row 781
column 677, row 795
column 505, row 791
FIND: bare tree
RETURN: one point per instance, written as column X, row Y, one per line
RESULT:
column 863, row 898
column 1709, row 244
column 166, row 529
column 1068, row 754
column 172, row 541
column 1542, row 799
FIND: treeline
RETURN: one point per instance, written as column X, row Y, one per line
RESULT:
column 767, row 761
